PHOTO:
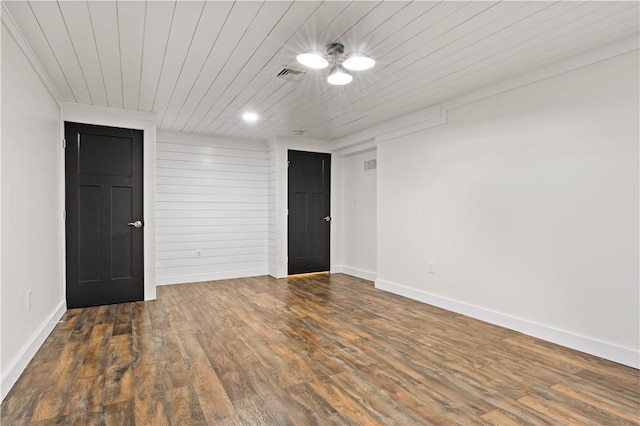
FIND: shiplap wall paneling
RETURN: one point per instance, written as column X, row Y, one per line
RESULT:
column 455, row 42
column 428, row 33
column 78, row 25
column 297, row 105
column 214, row 15
column 240, row 15
column 158, row 19
column 104, row 22
column 264, row 93
column 456, row 68
column 237, row 72
column 262, row 87
column 200, row 65
column 24, row 17
column 131, row 19
column 50, row 19
column 445, row 73
column 211, row 208
column 187, row 19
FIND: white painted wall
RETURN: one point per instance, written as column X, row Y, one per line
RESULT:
column 146, row 122
column 527, row 203
column 31, row 213
column 272, row 190
column 359, row 242
column 212, row 208
column 2, row 373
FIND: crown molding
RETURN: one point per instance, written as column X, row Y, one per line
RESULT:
column 436, row 115
column 71, row 110
column 590, row 57
column 359, row 147
column 175, row 135
column 387, row 129
column 16, row 33
column 433, row 121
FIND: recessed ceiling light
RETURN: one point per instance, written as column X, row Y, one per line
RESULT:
column 312, row 60
column 358, row 62
column 250, row 117
column 338, row 76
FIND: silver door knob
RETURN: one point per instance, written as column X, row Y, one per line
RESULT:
column 327, row 218
column 136, row 224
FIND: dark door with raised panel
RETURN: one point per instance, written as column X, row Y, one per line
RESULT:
column 309, row 212
column 104, row 231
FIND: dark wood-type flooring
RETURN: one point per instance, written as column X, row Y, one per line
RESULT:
column 307, row 350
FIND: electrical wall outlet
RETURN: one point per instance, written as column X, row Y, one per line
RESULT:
column 198, row 253
column 431, row 267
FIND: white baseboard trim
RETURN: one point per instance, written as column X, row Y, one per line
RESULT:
column 610, row 351
column 17, row 365
column 210, row 276
column 356, row 272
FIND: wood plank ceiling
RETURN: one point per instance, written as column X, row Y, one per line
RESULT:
column 200, row 65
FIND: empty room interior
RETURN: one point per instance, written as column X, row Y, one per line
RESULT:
column 320, row 212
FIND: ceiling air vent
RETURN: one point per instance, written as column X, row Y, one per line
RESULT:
column 291, row 74
column 370, row 165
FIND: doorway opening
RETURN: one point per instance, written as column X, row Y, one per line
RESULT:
column 104, row 215
column 309, row 220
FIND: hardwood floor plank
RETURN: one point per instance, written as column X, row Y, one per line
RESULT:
column 94, row 362
column 87, row 397
column 83, row 324
column 149, row 399
column 316, row 407
column 561, row 414
column 310, row 350
column 120, row 414
column 500, row 417
column 348, row 407
column 571, row 363
column 234, row 380
column 627, row 389
column 159, row 320
column 106, row 314
column 422, row 408
column 83, row 418
column 62, row 380
column 212, row 398
column 621, row 401
column 183, row 407
column 274, row 397
column 122, row 320
column 252, row 411
column 118, row 384
column 612, row 411
column 375, row 399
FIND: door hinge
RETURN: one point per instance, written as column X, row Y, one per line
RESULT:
column 64, row 215
column 288, row 163
column 64, row 144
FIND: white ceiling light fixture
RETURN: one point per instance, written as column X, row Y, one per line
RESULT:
column 313, row 60
column 338, row 76
column 250, row 117
column 358, row 62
